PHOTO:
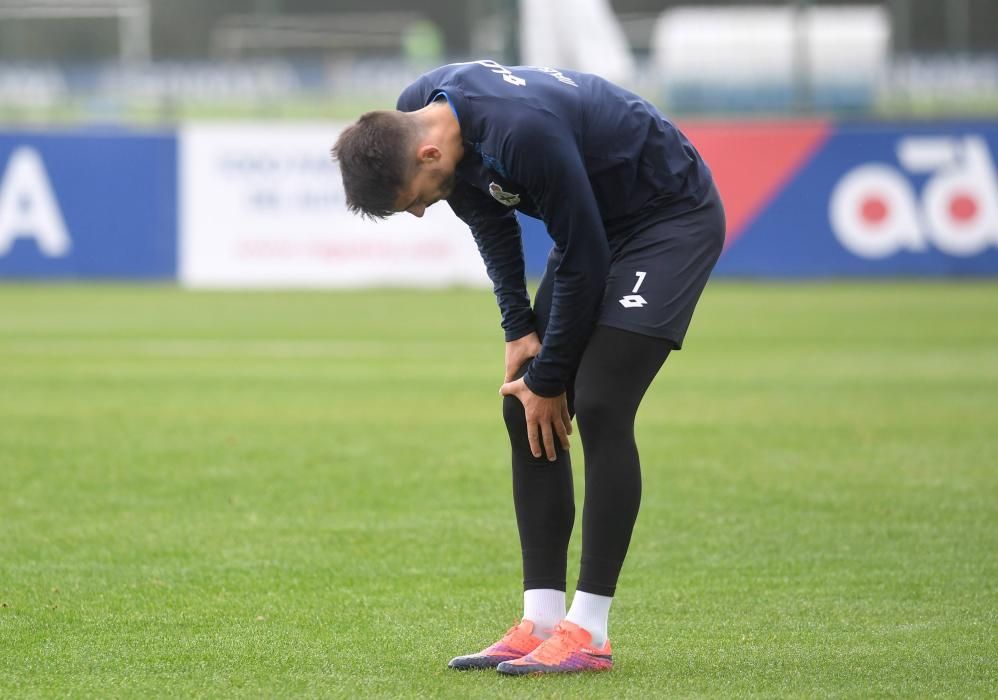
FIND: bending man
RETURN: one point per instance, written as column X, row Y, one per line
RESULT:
column 637, row 226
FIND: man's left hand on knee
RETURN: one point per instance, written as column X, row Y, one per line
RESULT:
column 547, row 418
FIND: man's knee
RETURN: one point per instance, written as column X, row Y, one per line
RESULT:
column 596, row 412
column 516, row 425
column 514, row 416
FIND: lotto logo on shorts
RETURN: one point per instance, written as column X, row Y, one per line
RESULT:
column 634, row 300
column 875, row 211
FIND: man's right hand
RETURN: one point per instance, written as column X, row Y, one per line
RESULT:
column 518, row 352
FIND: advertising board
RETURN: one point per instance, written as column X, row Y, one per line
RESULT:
column 259, row 205
column 810, row 199
column 88, row 204
column 263, row 206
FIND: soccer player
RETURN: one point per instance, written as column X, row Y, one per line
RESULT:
column 637, row 226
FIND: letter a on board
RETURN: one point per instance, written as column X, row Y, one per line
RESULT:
column 28, row 207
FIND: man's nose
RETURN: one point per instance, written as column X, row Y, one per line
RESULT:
column 418, row 211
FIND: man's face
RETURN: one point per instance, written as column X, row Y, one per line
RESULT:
column 433, row 181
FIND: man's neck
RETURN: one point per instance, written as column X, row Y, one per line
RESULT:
column 440, row 121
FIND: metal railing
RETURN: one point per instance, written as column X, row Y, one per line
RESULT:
column 133, row 17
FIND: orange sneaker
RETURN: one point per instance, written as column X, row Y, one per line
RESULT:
column 568, row 650
column 517, row 642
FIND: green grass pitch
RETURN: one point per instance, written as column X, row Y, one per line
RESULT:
column 307, row 494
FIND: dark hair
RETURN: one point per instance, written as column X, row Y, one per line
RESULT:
column 375, row 161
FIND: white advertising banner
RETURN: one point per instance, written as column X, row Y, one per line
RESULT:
column 263, row 206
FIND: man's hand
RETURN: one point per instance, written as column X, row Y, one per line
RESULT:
column 518, row 352
column 546, row 418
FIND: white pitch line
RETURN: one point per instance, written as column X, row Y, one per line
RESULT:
column 203, row 347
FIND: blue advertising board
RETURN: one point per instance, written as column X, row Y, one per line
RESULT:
column 815, row 199
column 881, row 201
column 803, row 199
column 88, row 204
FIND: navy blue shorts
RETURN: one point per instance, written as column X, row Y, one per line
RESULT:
column 657, row 274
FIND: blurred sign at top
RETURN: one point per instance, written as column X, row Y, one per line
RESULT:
column 166, row 61
column 579, row 35
column 774, row 58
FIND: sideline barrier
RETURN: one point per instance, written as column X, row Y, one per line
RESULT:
column 814, row 199
column 863, row 200
column 237, row 205
column 100, row 204
column 263, row 206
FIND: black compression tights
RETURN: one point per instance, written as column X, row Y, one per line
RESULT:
column 616, row 370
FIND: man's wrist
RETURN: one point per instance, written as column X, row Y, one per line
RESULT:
column 548, row 390
column 519, row 333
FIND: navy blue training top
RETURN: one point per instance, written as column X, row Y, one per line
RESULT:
column 587, row 157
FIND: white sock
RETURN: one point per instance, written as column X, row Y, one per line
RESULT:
column 545, row 607
column 590, row 612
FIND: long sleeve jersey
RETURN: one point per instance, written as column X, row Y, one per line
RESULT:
column 587, row 157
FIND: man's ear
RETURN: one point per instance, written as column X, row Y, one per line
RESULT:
column 428, row 154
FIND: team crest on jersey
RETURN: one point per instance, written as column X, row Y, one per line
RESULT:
column 503, row 197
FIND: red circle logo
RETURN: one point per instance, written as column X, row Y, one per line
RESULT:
column 873, row 210
column 963, row 208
